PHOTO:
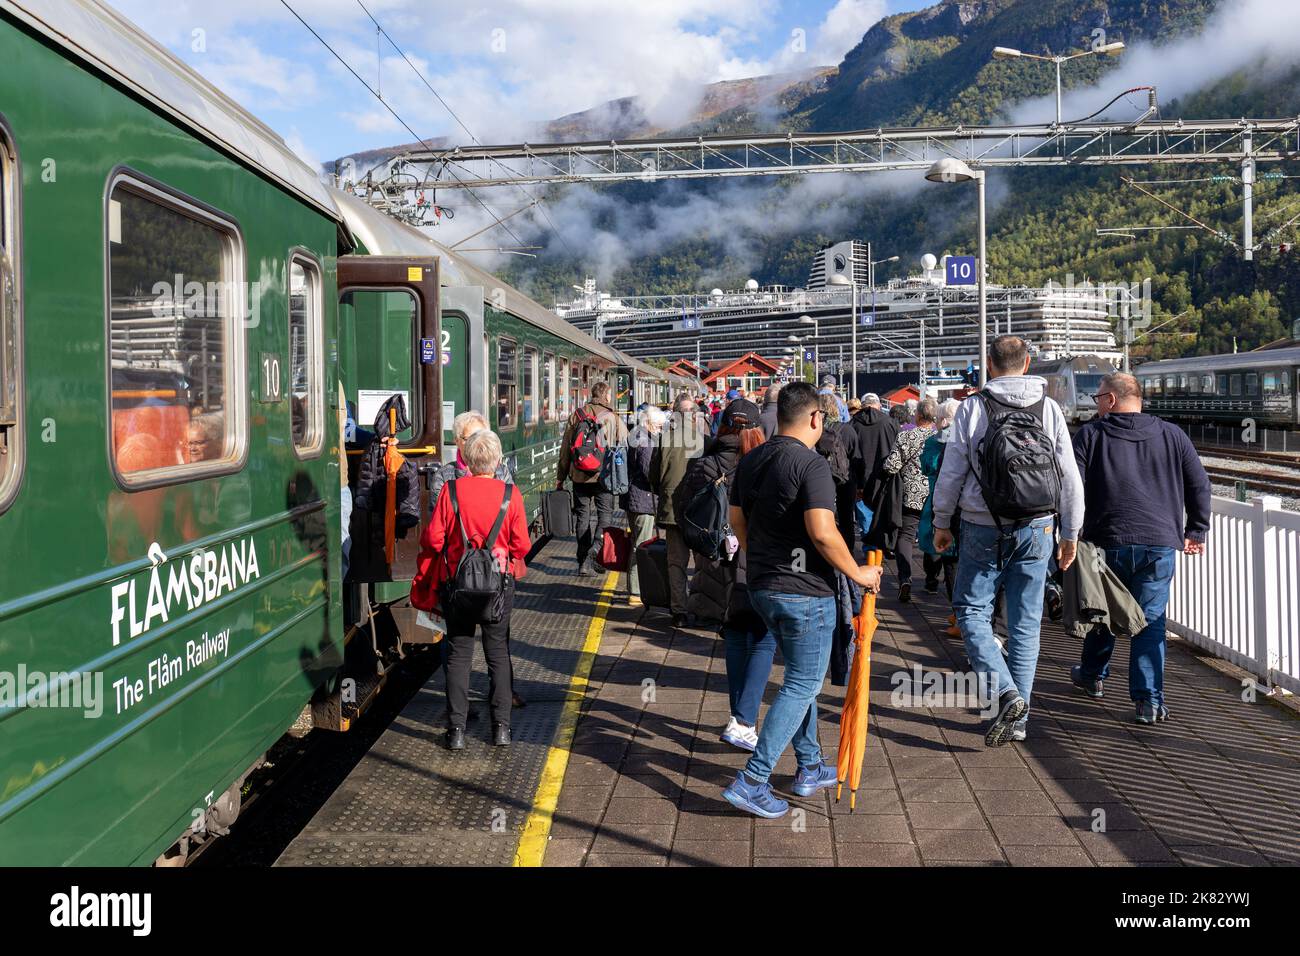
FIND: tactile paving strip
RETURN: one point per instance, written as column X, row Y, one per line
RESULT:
column 410, row 801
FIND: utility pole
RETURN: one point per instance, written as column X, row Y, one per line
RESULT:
column 1247, row 200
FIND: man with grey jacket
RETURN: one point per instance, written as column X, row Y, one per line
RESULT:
column 1013, row 559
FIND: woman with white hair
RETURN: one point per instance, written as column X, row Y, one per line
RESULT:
column 468, row 510
column 464, row 425
column 640, row 503
column 931, row 461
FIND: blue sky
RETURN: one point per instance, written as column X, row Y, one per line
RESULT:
column 500, row 67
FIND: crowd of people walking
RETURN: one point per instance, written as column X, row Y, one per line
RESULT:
column 764, row 513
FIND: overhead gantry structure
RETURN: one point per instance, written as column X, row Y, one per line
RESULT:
column 1142, row 142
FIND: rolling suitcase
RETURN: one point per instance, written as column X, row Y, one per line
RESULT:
column 557, row 513
column 652, row 572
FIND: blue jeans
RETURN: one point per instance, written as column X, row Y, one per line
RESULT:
column 1147, row 573
column 864, row 516
column 749, row 662
column 1023, row 569
column 804, row 626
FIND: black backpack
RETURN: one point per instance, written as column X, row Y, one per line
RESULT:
column 1017, row 473
column 704, row 520
column 831, row 447
column 478, row 588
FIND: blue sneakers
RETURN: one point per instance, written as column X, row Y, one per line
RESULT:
column 811, row 779
column 756, row 798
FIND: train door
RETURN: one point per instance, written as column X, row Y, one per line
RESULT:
column 390, row 330
column 624, row 390
column 462, row 378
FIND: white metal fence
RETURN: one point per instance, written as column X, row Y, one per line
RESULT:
column 1241, row 599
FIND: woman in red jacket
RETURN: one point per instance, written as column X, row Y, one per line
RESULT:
column 479, row 496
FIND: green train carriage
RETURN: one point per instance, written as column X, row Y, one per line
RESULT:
column 169, row 481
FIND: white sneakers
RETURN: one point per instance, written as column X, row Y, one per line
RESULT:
column 739, row 735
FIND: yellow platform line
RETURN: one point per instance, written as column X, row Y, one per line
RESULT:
column 537, row 828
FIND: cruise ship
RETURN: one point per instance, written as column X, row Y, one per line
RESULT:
column 907, row 325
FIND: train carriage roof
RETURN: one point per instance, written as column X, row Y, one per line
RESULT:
column 112, row 45
column 1261, row 358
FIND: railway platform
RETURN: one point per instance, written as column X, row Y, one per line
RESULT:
column 617, row 761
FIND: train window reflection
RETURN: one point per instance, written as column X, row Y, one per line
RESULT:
column 1235, row 388
column 507, row 383
column 10, row 349
column 548, row 387
column 530, row 386
column 173, row 310
column 306, row 372
column 1222, row 387
column 1252, row 384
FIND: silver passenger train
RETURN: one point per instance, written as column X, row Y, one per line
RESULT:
column 1072, row 382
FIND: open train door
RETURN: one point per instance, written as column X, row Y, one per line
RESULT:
column 390, row 333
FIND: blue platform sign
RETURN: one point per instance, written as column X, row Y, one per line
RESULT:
column 808, row 355
column 428, row 352
column 689, row 323
column 960, row 270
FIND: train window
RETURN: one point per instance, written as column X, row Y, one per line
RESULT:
column 561, row 388
column 507, row 383
column 1235, row 387
column 1252, row 384
column 1221, row 386
column 1194, row 385
column 575, row 387
column 306, row 357
column 1270, row 383
column 1207, row 384
column 176, row 357
column 548, row 387
column 1171, row 384
column 530, row 386
column 11, row 446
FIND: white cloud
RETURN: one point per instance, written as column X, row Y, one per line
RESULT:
column 825, row 45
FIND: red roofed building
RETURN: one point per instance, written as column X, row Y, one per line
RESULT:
column 751, row 372
column 686, row 369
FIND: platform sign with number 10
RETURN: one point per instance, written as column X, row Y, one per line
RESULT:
column 959, row 270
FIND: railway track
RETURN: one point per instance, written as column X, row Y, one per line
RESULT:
column 1265, row 481
column 1241, row 454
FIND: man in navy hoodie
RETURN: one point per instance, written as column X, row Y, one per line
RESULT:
column 1146, row 496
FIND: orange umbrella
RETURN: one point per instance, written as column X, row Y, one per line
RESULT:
column 393, row 461
column 853, row 719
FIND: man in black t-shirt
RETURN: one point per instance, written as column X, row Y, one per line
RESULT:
column 792, row 549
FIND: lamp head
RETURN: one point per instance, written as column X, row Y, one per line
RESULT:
column 950, row 170
column 1005, row 52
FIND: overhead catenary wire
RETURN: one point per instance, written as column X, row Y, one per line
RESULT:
column 373, row 92
column 537, row 203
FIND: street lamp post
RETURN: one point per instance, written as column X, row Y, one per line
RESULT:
column 1007, row 53
column 817, row 344
column 952, row 170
